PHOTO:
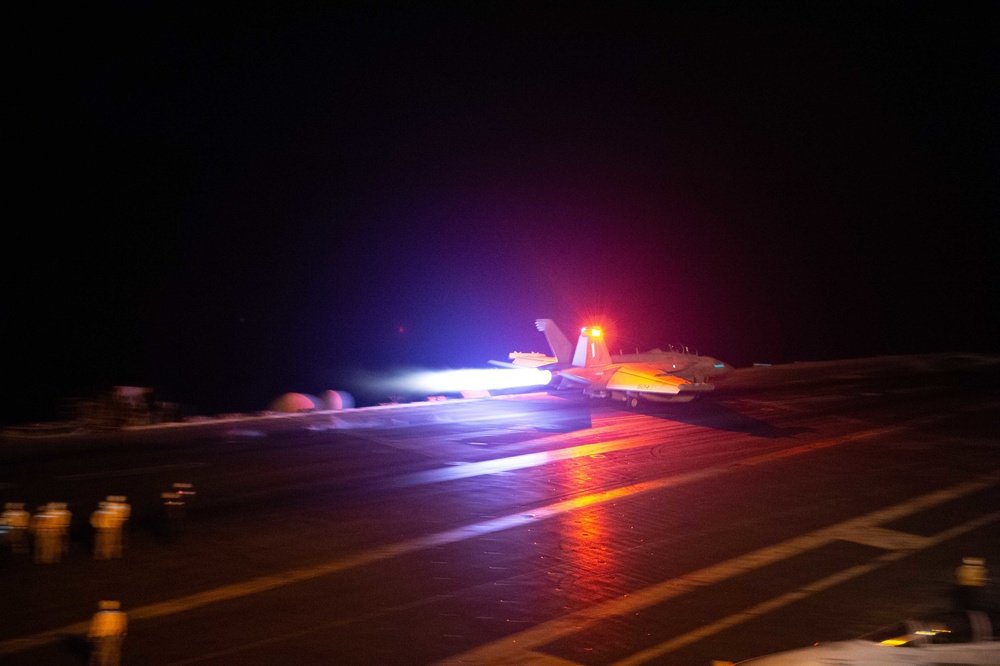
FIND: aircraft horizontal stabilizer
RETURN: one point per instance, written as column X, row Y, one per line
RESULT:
column 504, row 364
column 571, row 379
column 531, row 359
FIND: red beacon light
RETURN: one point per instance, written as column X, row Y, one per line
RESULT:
column 591, row 331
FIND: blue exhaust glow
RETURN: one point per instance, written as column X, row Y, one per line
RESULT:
column 456, row 381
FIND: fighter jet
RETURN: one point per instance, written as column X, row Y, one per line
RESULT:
column 658, row 376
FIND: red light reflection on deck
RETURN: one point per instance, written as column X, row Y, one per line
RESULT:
column 583, row 536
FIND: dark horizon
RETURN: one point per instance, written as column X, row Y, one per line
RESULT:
column 231, row 205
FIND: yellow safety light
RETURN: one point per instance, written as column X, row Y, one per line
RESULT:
column 896, row 642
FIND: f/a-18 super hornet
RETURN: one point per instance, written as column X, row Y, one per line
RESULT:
column 657, row 375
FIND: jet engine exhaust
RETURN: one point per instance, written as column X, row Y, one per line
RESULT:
column 455, row 381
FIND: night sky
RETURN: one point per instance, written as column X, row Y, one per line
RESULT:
column 228, row 202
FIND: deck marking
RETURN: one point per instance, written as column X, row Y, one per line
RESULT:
column 801, row 593
column 498, row 465
column 886, row 539
column 508, row 650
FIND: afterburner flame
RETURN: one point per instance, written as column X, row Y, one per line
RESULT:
column 456, row 381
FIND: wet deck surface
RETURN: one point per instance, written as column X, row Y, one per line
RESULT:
column 802, row 503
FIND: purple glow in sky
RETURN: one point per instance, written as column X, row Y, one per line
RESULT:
column 232, row 206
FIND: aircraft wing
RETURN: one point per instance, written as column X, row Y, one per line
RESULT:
column 687, row 366
column 653, row 382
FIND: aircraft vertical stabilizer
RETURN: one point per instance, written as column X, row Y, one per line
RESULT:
column 558, row 343
column 590, row 349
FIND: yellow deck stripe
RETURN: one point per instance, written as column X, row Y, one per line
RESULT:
column 507, row 650
column 801, row 593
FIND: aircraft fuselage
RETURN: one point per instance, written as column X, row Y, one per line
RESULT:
column 657, row 375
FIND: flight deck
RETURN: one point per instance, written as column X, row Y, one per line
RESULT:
column 798, row 503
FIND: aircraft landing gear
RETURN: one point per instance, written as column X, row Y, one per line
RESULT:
column 632, row 402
